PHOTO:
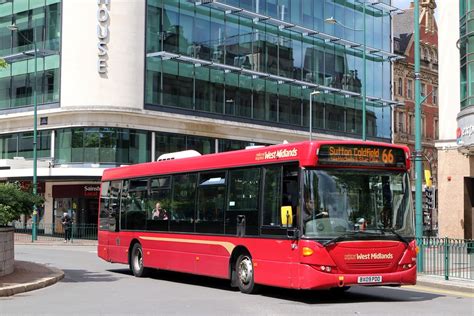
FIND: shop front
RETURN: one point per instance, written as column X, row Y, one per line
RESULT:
column 80, row 201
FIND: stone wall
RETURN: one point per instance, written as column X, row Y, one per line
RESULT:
column 453, row 168
column 6, row 250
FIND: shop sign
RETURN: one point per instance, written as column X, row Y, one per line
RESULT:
column 465, row 131
column 103, row 18
column 27, row 186
column 76, row 190
column 91, row 190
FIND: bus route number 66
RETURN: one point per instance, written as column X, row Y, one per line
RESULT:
column 387, row 156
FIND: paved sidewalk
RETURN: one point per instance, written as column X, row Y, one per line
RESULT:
column 28, row 276
column 453, row 284
column 54, row 242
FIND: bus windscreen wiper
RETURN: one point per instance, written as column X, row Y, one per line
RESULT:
column 393, row 231
column 346, row 235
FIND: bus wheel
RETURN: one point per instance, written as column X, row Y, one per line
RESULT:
column 136, row 261
column 245, row 274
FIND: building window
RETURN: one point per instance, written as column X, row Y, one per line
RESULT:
column 423, row 89
column 237, row 41
column 400, row 86
column 435, row 95
column 34, row 21
column 102, row 145
column 401, row 122
column 423, row 126
column 410, row 89
column 412, row 124
column 436, row 128
column 21, row 145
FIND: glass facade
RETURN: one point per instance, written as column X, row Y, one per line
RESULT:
column 209, row 34
column 109, row 146
column 466, row 46
column 36, row 21
column 21, row 145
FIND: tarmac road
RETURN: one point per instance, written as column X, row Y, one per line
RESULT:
column 92, row 286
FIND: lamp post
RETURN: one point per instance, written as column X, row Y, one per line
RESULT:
column 332, row 20
column 311, row 113
column 418, row 149
column 34, row 230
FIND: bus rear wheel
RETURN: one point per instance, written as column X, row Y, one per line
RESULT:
column 136, row 262
column 245, row 274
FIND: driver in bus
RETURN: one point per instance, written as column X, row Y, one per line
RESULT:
column 311, row 212
column 159, row 213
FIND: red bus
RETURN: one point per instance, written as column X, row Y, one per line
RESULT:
column 308, row 215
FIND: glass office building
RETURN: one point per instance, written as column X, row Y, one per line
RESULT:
column 121, row 82
column 466, row 47
column 258, row 61
column 238, row 60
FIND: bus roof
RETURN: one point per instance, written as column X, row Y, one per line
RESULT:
column 305, row 153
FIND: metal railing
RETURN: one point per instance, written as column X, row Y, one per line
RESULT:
column 50, row 232
column 447, row 257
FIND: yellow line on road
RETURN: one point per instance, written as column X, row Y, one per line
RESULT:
column 438, row 291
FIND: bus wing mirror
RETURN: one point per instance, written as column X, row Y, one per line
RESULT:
column 286, row 213
column 293, row 233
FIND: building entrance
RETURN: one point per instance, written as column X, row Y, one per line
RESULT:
column 80, row 202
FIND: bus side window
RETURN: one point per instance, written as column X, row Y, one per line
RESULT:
column 160, row 191
column 272, row 199
column 133, row 210
column 183, row 202
column 211, row 199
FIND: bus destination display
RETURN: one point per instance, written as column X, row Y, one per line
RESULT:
column 361, row 155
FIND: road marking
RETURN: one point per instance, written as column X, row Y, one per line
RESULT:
column 439, row 291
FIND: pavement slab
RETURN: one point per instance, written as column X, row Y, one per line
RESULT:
column 28, row 276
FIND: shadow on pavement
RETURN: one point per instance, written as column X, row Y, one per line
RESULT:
column 75, row 276
column 354, row 294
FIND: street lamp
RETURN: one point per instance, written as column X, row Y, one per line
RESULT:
column 14, row 28
column 332, row 20
column 311, row 113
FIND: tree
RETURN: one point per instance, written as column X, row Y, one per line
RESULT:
column 14, row 202
column 3, row 63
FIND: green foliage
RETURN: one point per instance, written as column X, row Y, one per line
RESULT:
column 14, row 202
column 3, row 63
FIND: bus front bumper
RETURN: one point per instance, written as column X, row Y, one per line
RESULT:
column 310, row 278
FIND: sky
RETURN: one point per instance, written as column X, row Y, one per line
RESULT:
column 402, row 4
column 405, row 4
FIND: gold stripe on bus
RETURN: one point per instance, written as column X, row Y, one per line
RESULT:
column 227, row 245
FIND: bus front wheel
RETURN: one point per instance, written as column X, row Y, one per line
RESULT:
column 245, row 274
column 136, row 261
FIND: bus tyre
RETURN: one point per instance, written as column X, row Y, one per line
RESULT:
column 245, row 274
column 136, row 261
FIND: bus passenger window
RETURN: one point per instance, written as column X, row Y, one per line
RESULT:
column 211, row 199
column 181, row 210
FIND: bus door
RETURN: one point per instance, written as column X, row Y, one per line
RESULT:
column 242, row 210
column 103, row 232
column 114, row 218
column 280, row 198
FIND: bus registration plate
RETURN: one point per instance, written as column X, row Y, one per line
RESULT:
column 370, row 279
